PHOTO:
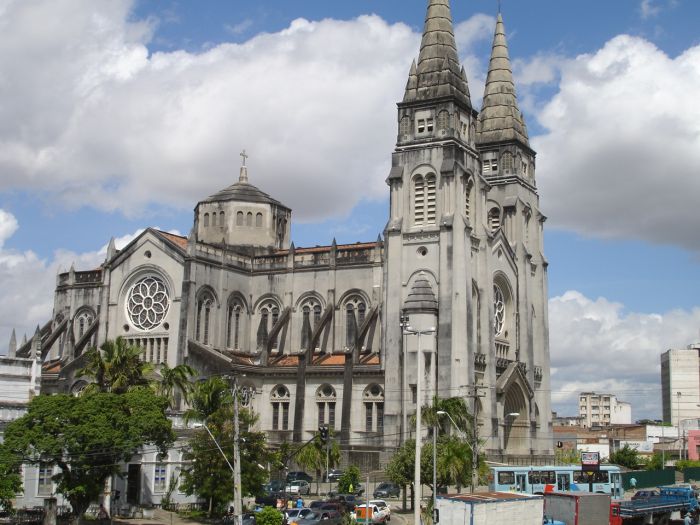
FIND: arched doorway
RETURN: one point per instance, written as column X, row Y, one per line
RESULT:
column 515, row 421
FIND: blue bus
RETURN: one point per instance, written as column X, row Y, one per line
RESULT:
column 543, row 479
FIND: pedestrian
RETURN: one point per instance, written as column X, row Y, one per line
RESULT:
column 688, row 520
column 300, row 503
column 103, row 515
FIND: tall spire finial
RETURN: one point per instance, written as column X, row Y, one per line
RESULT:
column 243, row 177
column 437, row 48
column 500, row 118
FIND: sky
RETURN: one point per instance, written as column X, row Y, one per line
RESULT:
column 120, row 114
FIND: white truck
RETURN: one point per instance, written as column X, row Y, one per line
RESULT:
column 491, row 508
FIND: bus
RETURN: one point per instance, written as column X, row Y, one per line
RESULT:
column 543, row 479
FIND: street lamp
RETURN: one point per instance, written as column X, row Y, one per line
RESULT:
column 419, row 399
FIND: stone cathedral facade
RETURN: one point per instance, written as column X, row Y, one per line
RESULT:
column 317, row 332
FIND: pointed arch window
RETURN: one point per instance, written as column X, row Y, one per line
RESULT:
column 326, row 400
column 355, row 312
column 373, row 398
column 239, row 218
column 279, row 400
column 206, row 219
column 222, row 222
column 213, row 219
column 204, row 308
column 258, row 220
column 249, row 219
column 82, row 322
column 234, row 319
column 310, row 317
column 269, row 315
column 424, row 199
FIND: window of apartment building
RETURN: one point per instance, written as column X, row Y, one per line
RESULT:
column 160, row 473
column 45, row 485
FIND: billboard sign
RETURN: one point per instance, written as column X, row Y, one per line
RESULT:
column 590, row 461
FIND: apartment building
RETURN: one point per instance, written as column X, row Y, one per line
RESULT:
column 603, row 410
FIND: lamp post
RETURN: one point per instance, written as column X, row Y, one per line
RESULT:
column 419, row 400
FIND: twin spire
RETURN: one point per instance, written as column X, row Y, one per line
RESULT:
column 500, row 118
column 438, row 73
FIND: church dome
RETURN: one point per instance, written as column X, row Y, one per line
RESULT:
column 243, row 192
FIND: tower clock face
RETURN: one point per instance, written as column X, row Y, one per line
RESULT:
column 147, row 303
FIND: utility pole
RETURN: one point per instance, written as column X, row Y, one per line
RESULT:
column 237, row 503
column 403, row 323
column 474, row 394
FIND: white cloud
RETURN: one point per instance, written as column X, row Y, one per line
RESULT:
column 95, row 119
column 649, row 9
column 8, row 226
column 29, row 281
column 596, row 345
column 621, row 154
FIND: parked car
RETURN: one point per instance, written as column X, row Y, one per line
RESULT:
column 348, row 501
column 387, row 490
column 383, row 506
column 275, row 485
column 298, row 474
column 316, row 504
column 372, row 513
column 294, row 515
column 333, row 475
column 330, row 517
column 298, row 486
column 248, row 519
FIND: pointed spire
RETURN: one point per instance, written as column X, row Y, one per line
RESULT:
column 111, row 249
column 24, row 339
column 500, row 118
column 438, row 69
column 12, row 349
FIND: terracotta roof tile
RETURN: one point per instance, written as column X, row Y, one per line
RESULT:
column 178, row 240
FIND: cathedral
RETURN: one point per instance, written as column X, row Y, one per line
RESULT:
column 450, row 300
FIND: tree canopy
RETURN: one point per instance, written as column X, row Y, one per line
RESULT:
column 88, row 436
column 115, row 367
column 10, row 479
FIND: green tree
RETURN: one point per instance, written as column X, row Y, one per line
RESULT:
column 625, row 457
column 313, row 456
column 567, row 456
column 209, row 475
column 115, row 367
column 655, row 462
column 269, row 516
column 88, row 437
column 438, row 415
column 173, row 381
column 350, row 478
column 10, row 479
column 209, row 397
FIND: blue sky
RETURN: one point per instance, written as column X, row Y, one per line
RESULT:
column 125, row 113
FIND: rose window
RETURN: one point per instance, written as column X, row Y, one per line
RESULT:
column 499, row 310
column 148, row 303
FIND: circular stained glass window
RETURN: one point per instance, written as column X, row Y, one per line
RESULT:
column 147, row 303
column 499, row 310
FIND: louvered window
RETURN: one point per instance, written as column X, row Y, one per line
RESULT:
column 468, row 199
column 507, row 162
column 405, row 126
column 494, row 219
column 419, row 200
column 443, row 121
column 430, row 199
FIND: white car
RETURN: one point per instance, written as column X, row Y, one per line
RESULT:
column 376, row 514
column 298, row 486
column 383, row 506
column 294, row 515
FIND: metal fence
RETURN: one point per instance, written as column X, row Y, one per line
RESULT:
column 648, row 478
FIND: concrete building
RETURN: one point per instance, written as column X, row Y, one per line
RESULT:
column 603, row 410
column 20, row 381
column 317, row 331
column 680, row 384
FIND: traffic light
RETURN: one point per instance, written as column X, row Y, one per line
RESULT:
column 323, row 433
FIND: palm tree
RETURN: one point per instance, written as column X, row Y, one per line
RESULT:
column 313, row 456
column 175, row 380
column 208, row 397
column 115, row 367
column 436, row 415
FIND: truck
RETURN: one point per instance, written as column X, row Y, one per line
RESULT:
column 656, row 509
column 577, row 508
column 491, row 508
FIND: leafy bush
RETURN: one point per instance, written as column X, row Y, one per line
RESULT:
column 269, row 516
column 350, row 478
column 625, row 457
